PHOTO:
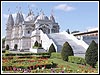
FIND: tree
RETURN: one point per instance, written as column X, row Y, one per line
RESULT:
column 68, row 31
column 39, row 45
column 66, row 51
column 3, row 42
column 36, row 44
column 7, row 47
column 91, row 55
column 52, row 48
column 15, row 46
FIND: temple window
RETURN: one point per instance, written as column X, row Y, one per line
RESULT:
column 28, row 32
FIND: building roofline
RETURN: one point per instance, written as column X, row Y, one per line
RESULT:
column 82, row 33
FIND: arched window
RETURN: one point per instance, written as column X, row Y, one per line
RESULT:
column 15, row 46
column 40, row 29
column 28, row 32
column 48, row 30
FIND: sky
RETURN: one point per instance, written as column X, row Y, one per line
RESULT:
column 69, row 15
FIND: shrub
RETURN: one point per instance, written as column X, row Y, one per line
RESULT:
column 3, row 51
column 10, row 54
column 40, row 48
column 78, row 60
column 96, row 66
column 39, row 45
column 15, row 46
column 7, row 47
column 27, row 54
column 91, row 55
column 56, row 55
column 66, row 51
column 35, row 47
column 36, row 44
column 6, row 51
column 52, row 48
column 3, row 42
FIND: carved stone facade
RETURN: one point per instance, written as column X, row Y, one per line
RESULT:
column 20, row 31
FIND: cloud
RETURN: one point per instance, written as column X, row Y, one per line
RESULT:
column 5, row 16
column 64, row 7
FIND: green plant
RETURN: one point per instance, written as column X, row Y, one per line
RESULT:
column 7, row 47
column 15, row 46
column 91, row 55
column 35, row 47
column 3, row 51
column 3, row 42
column 39, row 45
column 56, row 55
column 96, row 66
column 52, row 48
column 78, row 60
column 6, row 51
column 10, row 54
column 40, row 48
column 36, row 44
column 66, row 51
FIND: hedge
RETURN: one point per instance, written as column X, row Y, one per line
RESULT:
column 78, row 60
column 27, row 54
column 47, row 66
column 56, row 55
column 3, row 51
column 10, row 54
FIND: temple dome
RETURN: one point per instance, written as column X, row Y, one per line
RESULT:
column 41, row 17
column 30, row 16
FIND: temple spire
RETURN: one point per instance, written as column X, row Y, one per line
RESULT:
column 10, row 21
column 30, row 11
column 52, row 17
column 19, row 18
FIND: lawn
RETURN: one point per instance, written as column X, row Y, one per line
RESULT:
column 73, row 67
